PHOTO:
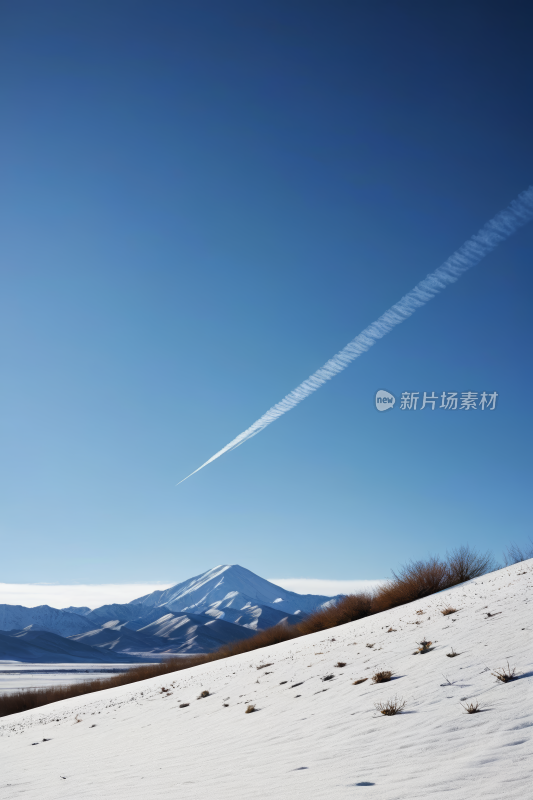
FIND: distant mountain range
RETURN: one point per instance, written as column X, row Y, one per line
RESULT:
column 224, row 604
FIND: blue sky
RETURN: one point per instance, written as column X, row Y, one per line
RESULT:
column 202, row 202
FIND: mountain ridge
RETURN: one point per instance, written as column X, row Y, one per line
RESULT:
column 224, row 604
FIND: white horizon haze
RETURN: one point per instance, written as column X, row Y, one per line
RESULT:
column 94, row 595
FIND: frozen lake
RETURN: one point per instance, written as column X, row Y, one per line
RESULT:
column 15, row 676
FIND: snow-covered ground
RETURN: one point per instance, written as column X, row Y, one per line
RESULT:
column 310, row 738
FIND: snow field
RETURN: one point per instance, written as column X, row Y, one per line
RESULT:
column 309, row 737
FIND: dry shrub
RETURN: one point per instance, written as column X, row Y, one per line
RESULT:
column 361, row 680
column 369, row 645
column 205, row 693
column 349, row 609
column 250, row 710
column 415, row 580
column 515, row 554
column 419, row 579
column 453, row 654
column 447, row 611
column 473, row 707
column 340, row 664
column 424, row 646
column 391, row 707
column 465, row 563
column 505, row 674
column 382, row 677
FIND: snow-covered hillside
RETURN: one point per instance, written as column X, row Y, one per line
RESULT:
column 312, row 735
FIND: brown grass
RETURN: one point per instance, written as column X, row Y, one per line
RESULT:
column 472, row 707
column 382, row 677
column 447, row 611
column 412, row 582
column 424, row 646
column 250, row 710
column 205, row 693
column 391, row 707
column 340, row 664
column 505, row 674
column 419, row 579
column 361, row 680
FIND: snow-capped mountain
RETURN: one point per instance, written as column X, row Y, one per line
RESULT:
column 230, row 587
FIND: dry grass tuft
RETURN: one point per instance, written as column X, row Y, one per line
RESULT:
column 361, row 680
column 473, row 707
column 382, row 677
column 205, row 693
column 448, row 610
column 424, row 646
column 505, row 674
column 391, row 707
column 250, row 710
column 453, row 654
column 264, row 666
column 391, row 630
column 370, row 645
column 420, row 611
column 340, row 664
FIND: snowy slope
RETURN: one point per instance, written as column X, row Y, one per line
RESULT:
column 230, row 587
column 310, row 738
column 44, row 618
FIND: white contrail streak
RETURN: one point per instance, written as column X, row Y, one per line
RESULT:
column 497, row 230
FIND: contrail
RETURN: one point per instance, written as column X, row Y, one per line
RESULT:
column 497, row 230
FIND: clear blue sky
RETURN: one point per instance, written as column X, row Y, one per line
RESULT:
column 201, row 202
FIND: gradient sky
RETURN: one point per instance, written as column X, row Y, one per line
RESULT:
column 201, row 202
